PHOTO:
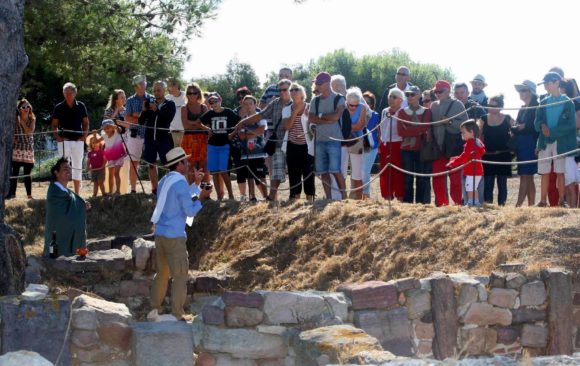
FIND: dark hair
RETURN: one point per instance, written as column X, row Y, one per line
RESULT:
column 371, row 96
column 461, row 85
column 113, row 98
column 471, row 126
column 570, row 87
column 172, row 167
column 498, row 99
column 56, row 167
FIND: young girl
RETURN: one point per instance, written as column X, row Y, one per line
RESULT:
column 97, row 162
column 473, row 149
column 114, row 153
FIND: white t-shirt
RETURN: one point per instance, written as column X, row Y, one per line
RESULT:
column 388, row 128
column 180, row 101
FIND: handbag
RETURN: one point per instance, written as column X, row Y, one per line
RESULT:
column 270, row 147
column 429, row 149
column 452, row 144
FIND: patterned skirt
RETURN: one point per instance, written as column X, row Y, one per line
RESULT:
column 196, row 146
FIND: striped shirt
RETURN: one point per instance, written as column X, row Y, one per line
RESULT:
column 270, row 93
column 296, row 132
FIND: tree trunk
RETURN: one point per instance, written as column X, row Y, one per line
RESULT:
column 13, row 60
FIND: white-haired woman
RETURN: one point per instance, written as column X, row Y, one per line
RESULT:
column 357, row 109
column 298, row 144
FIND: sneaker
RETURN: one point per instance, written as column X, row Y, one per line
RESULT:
column 243, row 198
column 542, row 204
column 563, row 204
column 253, row 200
column 133, row 192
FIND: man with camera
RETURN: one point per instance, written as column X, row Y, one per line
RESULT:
column 177, row 203
column 156, row 116
column 136, row 133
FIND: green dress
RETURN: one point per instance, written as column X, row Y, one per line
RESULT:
column 65, row 215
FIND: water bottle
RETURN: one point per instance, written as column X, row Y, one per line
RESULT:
column 53, row 248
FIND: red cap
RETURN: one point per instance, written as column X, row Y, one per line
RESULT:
column 243, row 89
column 442, row 84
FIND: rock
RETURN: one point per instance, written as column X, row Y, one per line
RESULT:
column 107, row 290
column 85, row 338
column 533, row 294
column 418, row 303
column 332, row 344
column 116, row 334
column 24, row 358
column 497, row 280
column 370, row 295
column 512, row 267
column 514, row 281
column 468, row 294
column 199, row 301
column 12, row 262
column 38, row 326
column 507, row 335
column 424, row 330
column 405, row 284
column 444, row 307
column 372, row 357
column 227, row 360
column 534, row 336
column 337, row 302
column 272, row 329
column 247, row 300
column 485, row 314
column 391, row 327
column 482, row 292
column 243, row 343
column 35, row 292
column 560, row 313
column 526, row 315
column 99, row 244
column 293, row 307
column 163, row 343
column 106, row 311
column 84, row 318
column 463, row 278
column 34, row 270
column 213, row 315
column 131, row 288
column 142, row 253
column 478, row 341
column 503, row 298
column 210, row 283
column 239, row 317
column 72, row 293
column 205, row 359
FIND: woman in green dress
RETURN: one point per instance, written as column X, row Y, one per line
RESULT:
column 65, row 212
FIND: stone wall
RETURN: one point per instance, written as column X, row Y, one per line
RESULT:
column 442, row 316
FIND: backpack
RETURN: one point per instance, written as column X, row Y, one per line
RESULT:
column 344, row 121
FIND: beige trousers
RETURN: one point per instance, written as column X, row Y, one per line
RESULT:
column 172, row 261
column 177, row 137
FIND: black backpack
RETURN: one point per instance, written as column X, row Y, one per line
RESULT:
column 344, row 121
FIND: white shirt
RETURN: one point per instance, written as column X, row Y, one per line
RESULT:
column 388, row 128
column 180, row 101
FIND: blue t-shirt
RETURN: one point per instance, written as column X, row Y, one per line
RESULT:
column 553, row 112
column 372, row 123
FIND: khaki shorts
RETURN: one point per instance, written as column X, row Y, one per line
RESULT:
column 544, row 166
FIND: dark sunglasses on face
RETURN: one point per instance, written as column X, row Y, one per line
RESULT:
column 394, row 97
column 212, row 102
column 24, row 107
column 353, row 105
column 192, row 93
column 206, row 186
column 402, row 74
column 410, row 95
column 294, row 90
column 283, row 90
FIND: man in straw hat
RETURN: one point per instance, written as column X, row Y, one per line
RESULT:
column 177, row 203
column 478, row 84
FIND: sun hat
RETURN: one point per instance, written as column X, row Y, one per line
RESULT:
column 175, row 155
column 526, row 85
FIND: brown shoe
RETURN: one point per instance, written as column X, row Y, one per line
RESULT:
column 542, row 204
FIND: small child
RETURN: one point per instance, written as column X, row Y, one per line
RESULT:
column 114, row 153
column 97, row 162
column 472, row 149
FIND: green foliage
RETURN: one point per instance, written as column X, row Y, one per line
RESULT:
column 237, row 74
column 100, row 44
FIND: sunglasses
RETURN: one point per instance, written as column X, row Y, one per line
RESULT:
column 394, row 97
column 212, row 102
column 206, row 186
column 294, row 90
column 402, row 74
column 283, row 90
column 192, row 93
column 439, row 91
column 410, row 95
column 24, row 107
column 353, row 105
column 524, row 90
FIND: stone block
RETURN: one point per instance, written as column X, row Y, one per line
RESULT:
column 131, row 288
column 418, row 303
column 142, row 253
column 478, row 341
column 514, row 281
column 424, row 348
column 205, row 359
column 527, row 315
column 503, row 298
column 91, row 355
column 533, row 294
column 405, row 284
column 34, row 270
column 462, row 278
column 507, row 335
column 106, row 311
column 99, row 244
column 293, row 307
column 84, row 318
column 576, row 301
column 276, row 362
column 162, row 343
column 468, row 294
column 391, row 327
column 332, row 345
column 577, row 318
column 512, row 267
column 247, row 300
column 336, row 302
column 107, row 290
column 370, row 295
column 444, row 308
column 534, row 336
column 24, row 358
column 372, row 358
column 485, row 314
column 210, row 283
column 199, row 301
column 497, row 279
column 243, row 343
column 482, row 292
column 84, row 338
column 213, row 315
column 424, row 330
column 116, row 334
column 239, row 317
column 560, row 313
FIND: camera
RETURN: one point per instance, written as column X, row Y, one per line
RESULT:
column 206, row 186
column 133, row 132
column 148, row 102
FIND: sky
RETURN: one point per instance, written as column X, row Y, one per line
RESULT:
column 506, row 41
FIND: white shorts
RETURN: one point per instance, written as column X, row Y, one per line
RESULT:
column 544, row 166
column 356, row 164
column 572, row 174
column 469, row 182
column 134, row 147
column 73, row 151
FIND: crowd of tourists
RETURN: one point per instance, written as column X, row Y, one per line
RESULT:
column 286, row 135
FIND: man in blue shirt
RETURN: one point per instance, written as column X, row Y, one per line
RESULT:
column 177, row 203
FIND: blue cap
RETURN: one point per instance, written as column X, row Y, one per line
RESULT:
column 551, row 76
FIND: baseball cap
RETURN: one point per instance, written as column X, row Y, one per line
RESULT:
column 243, row 89
column 107, row 122
column 526, row 85
column 551, row 76
column 479, row 77
column 214, row 95
column 321, row 78
column 442, row 84
column 137, row 79
column 414, row 89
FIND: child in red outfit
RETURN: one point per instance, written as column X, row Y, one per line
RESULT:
column 472, row 149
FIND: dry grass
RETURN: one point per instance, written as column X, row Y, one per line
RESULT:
column 319, row 246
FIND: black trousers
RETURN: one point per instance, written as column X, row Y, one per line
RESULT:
column 16, row 165
column 300, row 166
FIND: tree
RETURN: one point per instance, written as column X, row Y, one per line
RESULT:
column 13, row 60
column 100, row 44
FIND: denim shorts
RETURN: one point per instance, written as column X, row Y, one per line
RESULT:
column 217, row 158
column 157, row 148
column 327, row 157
